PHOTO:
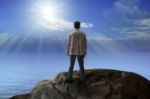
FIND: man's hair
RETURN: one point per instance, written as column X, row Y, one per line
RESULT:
column 77, row 24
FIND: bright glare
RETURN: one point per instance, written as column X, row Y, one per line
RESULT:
column 48, row 14
column 47, row 11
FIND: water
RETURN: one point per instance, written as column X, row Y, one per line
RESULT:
column 21, row 82
column 19, row 74
column 14, row 87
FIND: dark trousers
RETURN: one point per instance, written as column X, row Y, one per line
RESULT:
column 81, row 64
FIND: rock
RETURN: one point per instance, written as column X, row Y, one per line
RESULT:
column 100, row 84
column 25, row 96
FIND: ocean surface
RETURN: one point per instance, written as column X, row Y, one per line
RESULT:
column 10, row 87
column 19, row 83
column 19, row 74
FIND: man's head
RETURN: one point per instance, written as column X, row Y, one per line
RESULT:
column 77, row 25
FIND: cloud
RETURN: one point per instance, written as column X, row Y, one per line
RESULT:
column 59, row 24
column 87, row 25
column 127, row 17
column 100, row 43
column 7, row 41
column 130, row 2
column 128, row 9
column 144, row 22
column 135, row 42
column 138, row 35
column 4, row 37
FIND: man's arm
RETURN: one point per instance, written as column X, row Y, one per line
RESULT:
column 68, row 44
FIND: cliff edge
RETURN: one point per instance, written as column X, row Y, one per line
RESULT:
column 100, row 84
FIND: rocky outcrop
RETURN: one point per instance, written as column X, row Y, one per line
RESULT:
column 24, row 96
column 100, row 84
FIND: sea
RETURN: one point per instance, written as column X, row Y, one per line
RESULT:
column 19, row 74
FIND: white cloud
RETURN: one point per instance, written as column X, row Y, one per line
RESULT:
column 7, row 40
column 126, row 17
column 100, row 41
column 59, row 24
column 129, row 9
column 138, row 35
column 87, row 25
column 98, row 36
column 4, row 37
column 144, row 22
column 136, row 41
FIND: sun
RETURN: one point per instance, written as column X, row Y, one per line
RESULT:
column 47, row 11
column 48, row 14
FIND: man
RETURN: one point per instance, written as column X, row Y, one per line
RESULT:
column 76, row 47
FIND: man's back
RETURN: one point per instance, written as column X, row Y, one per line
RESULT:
column 77, row 43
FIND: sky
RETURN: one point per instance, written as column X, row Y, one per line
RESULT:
column 115, row 29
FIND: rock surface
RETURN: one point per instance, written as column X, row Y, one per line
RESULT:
column 100, row 84
column 24, row 96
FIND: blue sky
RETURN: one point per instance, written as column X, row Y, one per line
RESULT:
column 121, row 20
column 114, row 27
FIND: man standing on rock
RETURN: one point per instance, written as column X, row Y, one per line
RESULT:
column 76, row 47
